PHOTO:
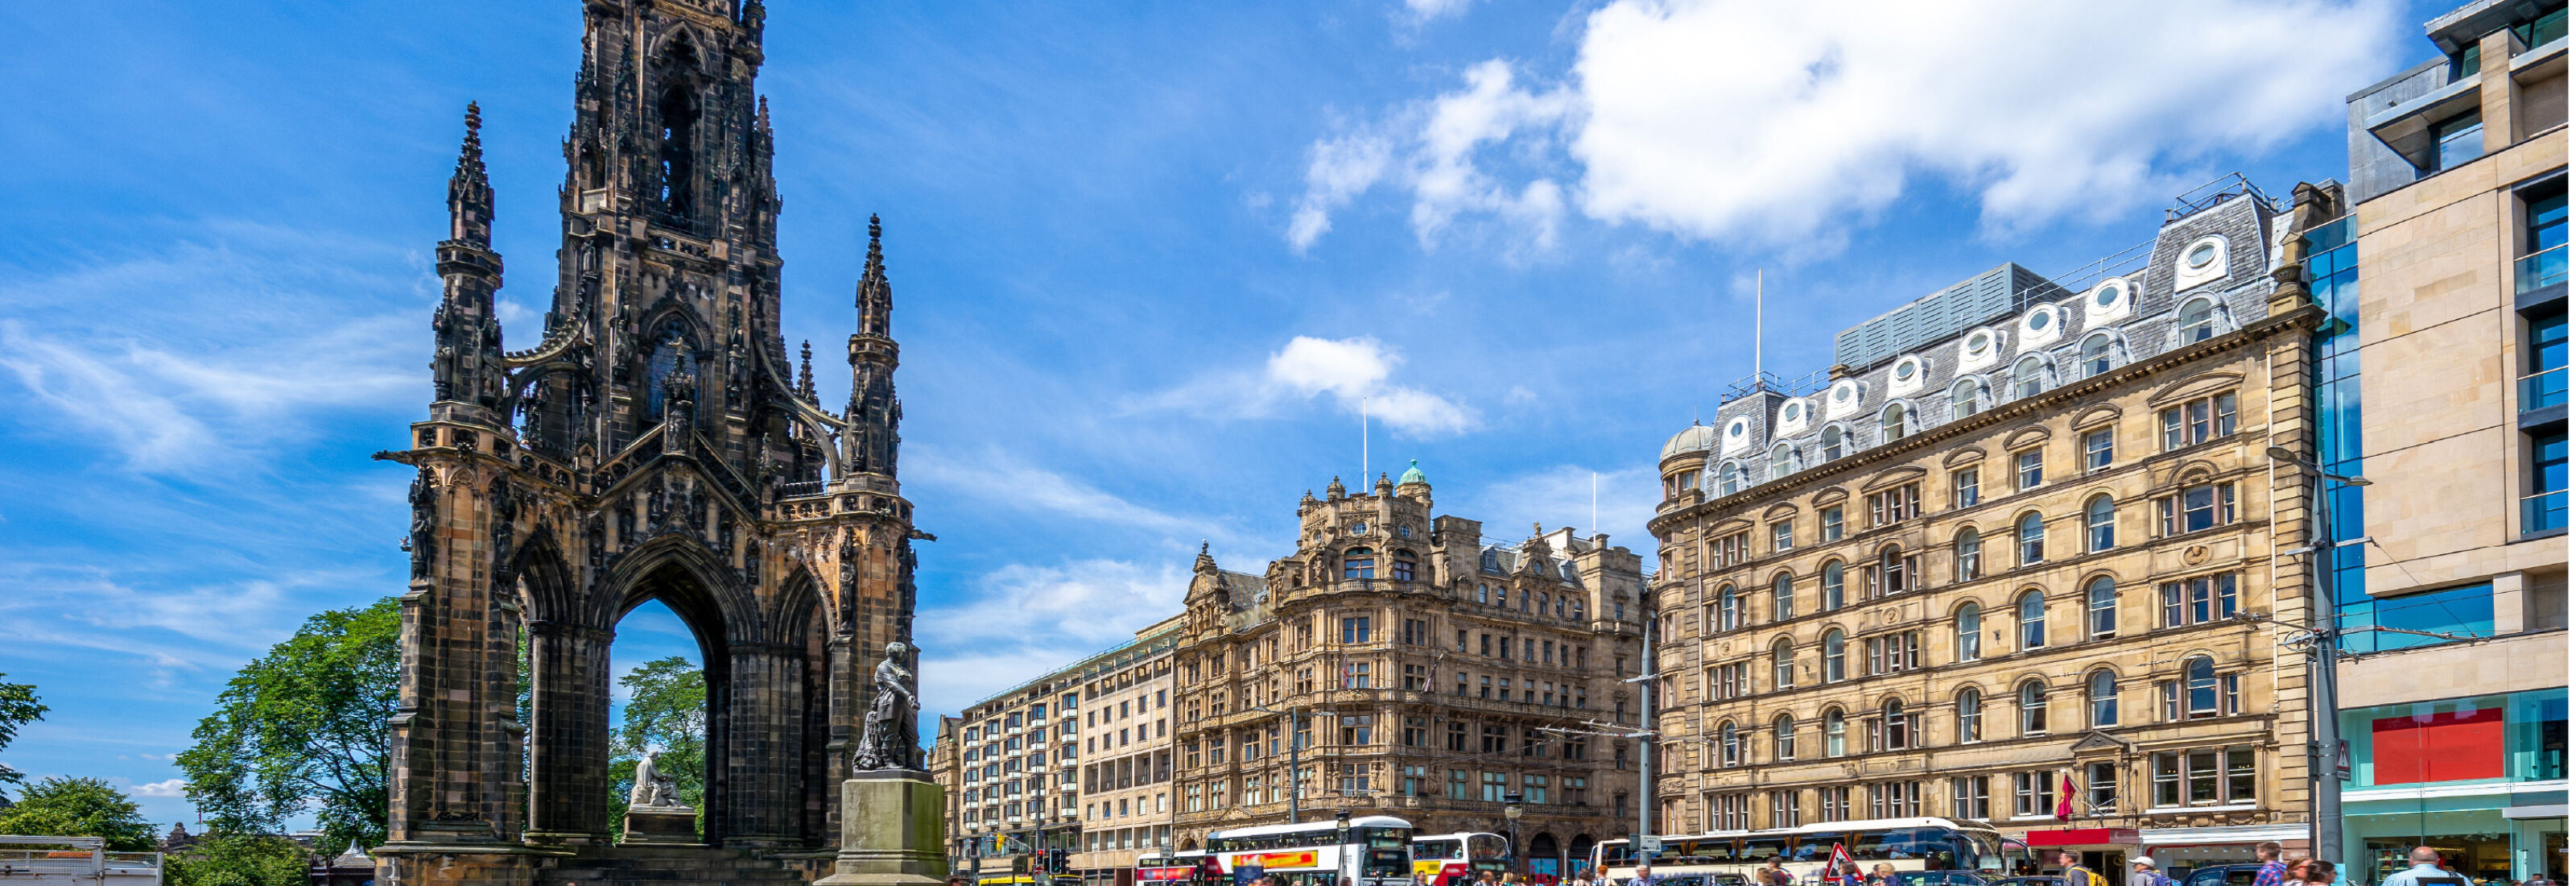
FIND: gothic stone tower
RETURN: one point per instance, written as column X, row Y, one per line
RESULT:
column 651, row 446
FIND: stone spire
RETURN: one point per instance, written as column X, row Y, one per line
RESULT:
column 466, row 365
column 469, row 193
column 876, row 296
column 1206, row 564
column 870, row 434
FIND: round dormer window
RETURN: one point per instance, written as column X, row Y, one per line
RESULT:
column 1357, row 528
column 2039, row 320
column 1846, row 392
column 1906, row 368
column 1792, row 411
column 2108, row 295
column 1979, row 342
column 1404, row 532
column 2202, row 255
column 1736, row 429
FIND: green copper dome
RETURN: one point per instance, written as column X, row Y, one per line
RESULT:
column 1414, row 474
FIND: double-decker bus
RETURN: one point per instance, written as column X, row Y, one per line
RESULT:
column 1370, row 850
column 1455, row 859
column 1185, row 868
column 1909, row 844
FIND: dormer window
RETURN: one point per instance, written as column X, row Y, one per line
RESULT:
column 1358, row 527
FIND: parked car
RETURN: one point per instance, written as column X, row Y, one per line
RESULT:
column 2223, row 875
column 1941, row 878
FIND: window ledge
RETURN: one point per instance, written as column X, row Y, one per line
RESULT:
column 2183, row 810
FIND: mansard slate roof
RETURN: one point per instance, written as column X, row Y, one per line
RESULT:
column 2140, row 325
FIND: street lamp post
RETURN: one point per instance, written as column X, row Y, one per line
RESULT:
column 1512, row 823
column 2325, row 825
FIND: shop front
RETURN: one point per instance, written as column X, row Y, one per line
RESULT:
column 2105, row 850
column 2483, row 780
column 2179, row 851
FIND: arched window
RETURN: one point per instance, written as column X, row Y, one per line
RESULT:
column 1784, row 665
column 1830, row 585
column 2096, row 356
column 2034, row 620
column 2034, row 538
column 1967, row 397
column 1359, row 563
column 1972, row 715
column 1401, row 566
column 2102, row 608
column 2200, row 683
column 677, row 155
column 1784, row 598
column 2197, row 321
column 1966, row 551
column 1730, row 479
column 1784, row 461
column 2034, row 708
column 2030, row 377
column 1729, row 616
column 1893, row 723
column 2102, row 695
column 1895, row 573
column 1833, row 655
column 1784, row 738
column 1894, row 422
column 2098, row 533
column 1833, row 442
column 1834, row 729
column 1971, row 633
column 1730, row 746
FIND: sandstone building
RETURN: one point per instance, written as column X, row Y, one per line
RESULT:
column 1412, row 667
column 2020, row 536
column 2443, row 383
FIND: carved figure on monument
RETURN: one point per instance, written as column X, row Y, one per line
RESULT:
column 424, row 523
column 888, row 740
column 652, row 787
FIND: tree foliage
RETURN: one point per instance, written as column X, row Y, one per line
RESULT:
column 240, row 860
column 18, row 707
column 666, row 710
column 79, row 807
column 304, row 727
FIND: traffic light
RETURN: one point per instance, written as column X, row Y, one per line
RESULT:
column 1060, row 861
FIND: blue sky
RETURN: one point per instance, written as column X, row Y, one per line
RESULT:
column 1148, row 263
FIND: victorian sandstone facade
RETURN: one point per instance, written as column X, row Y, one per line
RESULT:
column 1415, row 669
column 2019, row 538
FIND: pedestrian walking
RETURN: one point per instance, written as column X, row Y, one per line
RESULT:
column 2424, row 869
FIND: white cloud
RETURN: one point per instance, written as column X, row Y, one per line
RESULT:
column 1023, row 620
column 1001, row 477
column 171, row 788
column 1767, row 123
column 1353, row 371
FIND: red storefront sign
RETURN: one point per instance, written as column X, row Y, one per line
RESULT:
column 2444, row 746
column 2045, row 838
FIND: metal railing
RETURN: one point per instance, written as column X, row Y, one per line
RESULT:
column 2544, row 511
column 2543, row 268
column 2544, row 389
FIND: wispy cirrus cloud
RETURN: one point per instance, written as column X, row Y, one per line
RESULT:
column 223, row 347
column 1023, row 620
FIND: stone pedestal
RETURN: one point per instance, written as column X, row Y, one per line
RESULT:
column 890, row 832
column 661, row 826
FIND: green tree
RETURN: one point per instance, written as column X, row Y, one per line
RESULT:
column 666, row 710
column 79, row 807
column 304, row 727
column 18, row 707
column 222, row 859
